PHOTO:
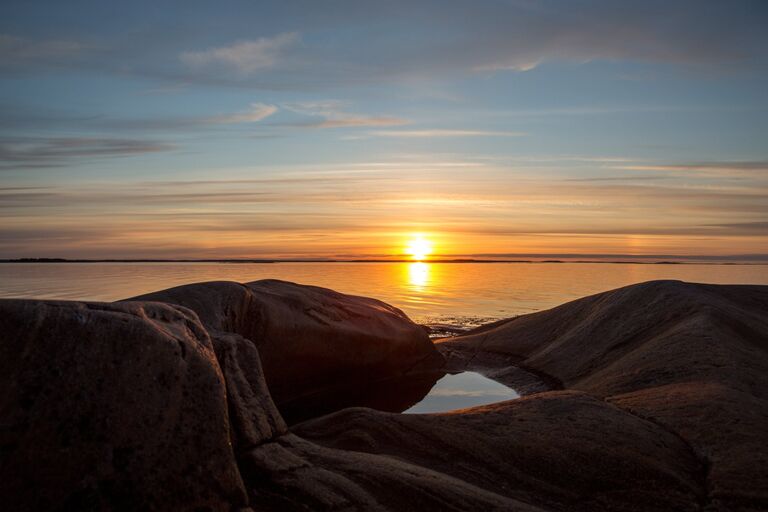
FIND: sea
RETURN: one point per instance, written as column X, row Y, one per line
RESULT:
column 458, row 294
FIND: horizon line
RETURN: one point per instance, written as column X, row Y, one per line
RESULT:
column 733, row 259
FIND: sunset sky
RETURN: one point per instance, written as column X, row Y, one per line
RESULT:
column 346, row 129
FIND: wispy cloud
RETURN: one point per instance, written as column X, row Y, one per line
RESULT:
column 255, row 113
column 15, row 117
column 37, row 152
column 499, row 36
column 17, row 50
column 706, row 168
column 333, row 114
column 349, row 121
column 245, row 57
column 445, row 133
column 343, row 44
column 758, row 228
column 303, row 210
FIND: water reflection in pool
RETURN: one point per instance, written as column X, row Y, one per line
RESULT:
column 417, row 393
column 462, row 390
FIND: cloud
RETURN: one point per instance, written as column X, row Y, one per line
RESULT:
column 758, row 228
column 344, row 122
column 445, row 133
column 369, row 42
column 290, row 209
column 39, row 152
column 707, row 168
column 12, row 117
column 255, row 113
column 245, row 57
column 332, row 114
column 17, row 50
column 498, row 36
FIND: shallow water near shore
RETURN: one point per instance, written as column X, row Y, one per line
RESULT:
column 456, row 295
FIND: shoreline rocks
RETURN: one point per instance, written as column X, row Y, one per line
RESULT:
column 310, row 339
column 112, row 407
column 143, row 405
column 692, row 358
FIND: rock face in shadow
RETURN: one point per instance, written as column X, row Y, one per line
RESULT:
column 112, row 407
column 146, row 406
column 560, row 450
column 692, row 358
column 310, row 339
column 132, row 406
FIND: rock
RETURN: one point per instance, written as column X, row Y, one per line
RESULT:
column 296, row 475
column 691, row 357
column 561, row 450
column 112, row 407
column 141, row 406
column 312, row 340
column 131, row 406
column 253, row 416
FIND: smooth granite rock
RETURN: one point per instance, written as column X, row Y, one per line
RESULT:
column 692, row 358
column 310, row 339
column 560, row 450
column 141, row 406
column 112, row 407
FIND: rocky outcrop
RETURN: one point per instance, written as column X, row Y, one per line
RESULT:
column 692, row 358
column 133, row 406
column 112, row 407
column 561, row 450
column 312, row 340
column 146, row 406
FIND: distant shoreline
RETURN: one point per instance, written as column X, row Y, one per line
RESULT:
column 459, row 260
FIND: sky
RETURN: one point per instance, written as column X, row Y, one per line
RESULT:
column 345, row 129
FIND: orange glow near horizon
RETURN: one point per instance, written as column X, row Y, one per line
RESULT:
column 418, row 247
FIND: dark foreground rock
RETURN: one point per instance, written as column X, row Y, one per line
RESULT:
column 132, row 406
column 561, row 450
column 311, row 340
column 692, row 358
column 112, row 407
column 143, row 406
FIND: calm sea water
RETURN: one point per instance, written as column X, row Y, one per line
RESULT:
column 453, row 293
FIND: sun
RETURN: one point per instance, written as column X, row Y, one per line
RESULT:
column 418, row 247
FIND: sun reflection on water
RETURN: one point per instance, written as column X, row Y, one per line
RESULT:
column 418, row 275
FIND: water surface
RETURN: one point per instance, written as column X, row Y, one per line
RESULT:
column 452, row 293
column 462, row 390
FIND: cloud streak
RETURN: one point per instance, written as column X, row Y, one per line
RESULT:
column 244, row 57
column 40, row 152
column 332, row 114
column 759, row 168
column 343, row 45
column 420, row 134
column 21, row 51
column 255, row 113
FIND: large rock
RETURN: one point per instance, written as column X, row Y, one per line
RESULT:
column 292, row 474
column 112, row 407
column 132, row 407
column 139, row 406
column 560, row 450
column 312, row 340
column 691, row 357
